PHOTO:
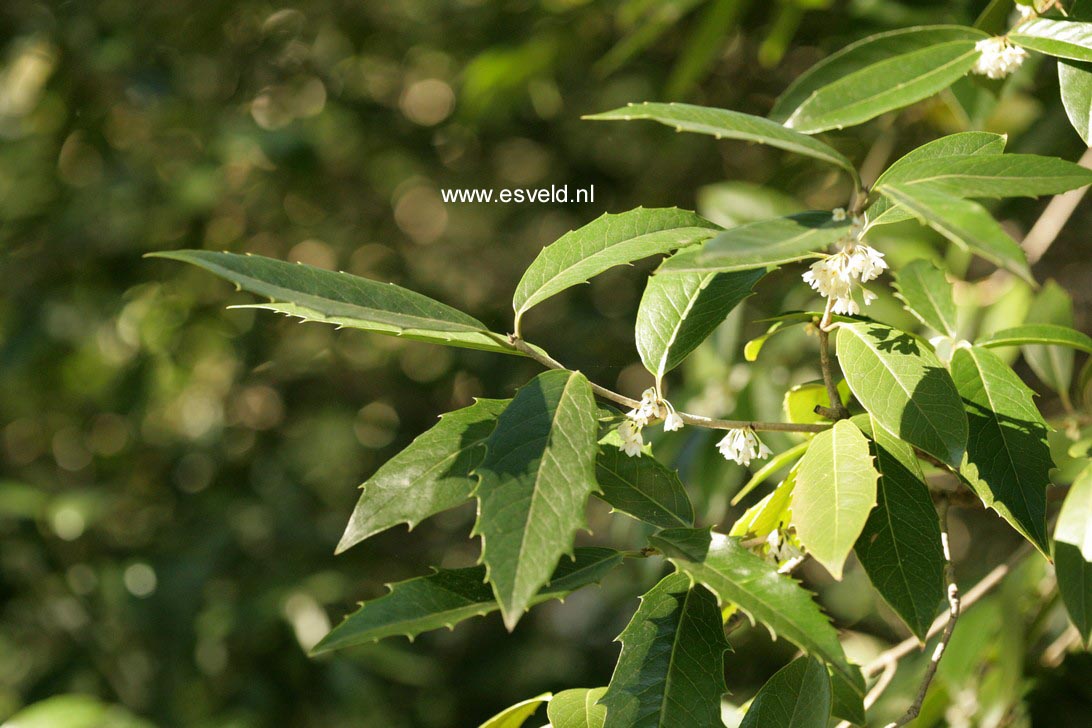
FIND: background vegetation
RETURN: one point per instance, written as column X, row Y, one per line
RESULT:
column 174, row 477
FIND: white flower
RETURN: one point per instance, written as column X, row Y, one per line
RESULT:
column 673, row 422
column 1023, row 12
column 655, row 407
column 632, row 442
column 837, row 276
column 998, row 57
column 742, row 445
column 782, row 548
column 838, row 214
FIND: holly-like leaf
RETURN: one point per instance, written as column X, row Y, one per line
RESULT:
column 738, row 576
column 345, row 300
column 671, row 668
column 1008, row 459
column 797, row 696
column 835, row 491
column 1075, row 82
column 923, row 287
column 904, row 387
column 1058, row 38
column 1052, row 364
column 607, row 241
column 430, row 476
column 861, row 57
column 900, row 546
column 642, row 487
column 449, row 596
column 1073, row 553
column 933, row 59
column 518, row 714
column 538, row 471
column 759, row 244
column 964, row 222
column 1041, row 334
column 577, row 708
column 725, row 124
column 679, row 311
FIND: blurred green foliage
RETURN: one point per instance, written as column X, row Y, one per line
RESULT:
column 174, row 477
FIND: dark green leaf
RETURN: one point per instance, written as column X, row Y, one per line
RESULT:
column 759, row 244
column 848, row 695
column 925, row 290
column 450, row 596
column 671, row 669
column 538, row 470
column 905, row 388
column 577, row 708
column 1008, row 459
column 430, row 476
column 725, row 124
column 900, row 546
column 1059, row 38
column 797, row 696
column 643, row 488
column 1073, row 553
column 835, row 491
column 607, row 241
column 679, row 310
column 1044, row 334
column 345, row 300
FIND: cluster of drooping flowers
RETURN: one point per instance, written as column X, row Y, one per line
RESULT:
column 742, row 445
column 998, row 57
column 783, row 548
column 652, row 407
column 838, row 276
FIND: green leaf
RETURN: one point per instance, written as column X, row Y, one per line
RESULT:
column 759, row 244
column 752, row 348
column 671, row 668
column 1059, row 38
column 1073, row 553
column 797, row 696
column 1008, row 459
column 769, row 469
column 900, row 546
column 679, row 310
column 965, row 223
column 992, row 175
column 860, row 57
column 725, row 124
column 538, row 470
column 577, row 708
column 345, row 300
column 925, row 290
column 968, row 142
column 835, row 491
column 517, row 715
column 430, row 476
column 848, row 696
column 607, row 241
column 800, row 401
column 905, row 388
column 642, row 487
column 450, row 596
column 737, row 576
column 769, row 514
column 1053, row 365
column 1044, row 334
column 890, row 81
column 1075, row 82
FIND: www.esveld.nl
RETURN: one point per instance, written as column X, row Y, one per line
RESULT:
column 553, row 193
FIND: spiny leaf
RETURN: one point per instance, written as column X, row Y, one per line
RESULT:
column 835, row 491
column 642, row 487
column 607, row 241
column 900, row 546
column 925, row 290
column 1008, row 459
column 538, row 470
column 1073, row 553
column 450, row 596
column 430, row 476
column 577, row 708
column 797, row 696
column 671, row 668
column 759, row 244
column 725, row 124
column 905, row 388
column 679, row 310
column 346, row 300
column 1043, row 334
column 737, row 576
column 1059, row 38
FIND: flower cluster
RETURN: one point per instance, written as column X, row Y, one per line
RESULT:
column 998, row 57
column 782, row 547
column 838, row 276
column 742, row 445
column 652, row 407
